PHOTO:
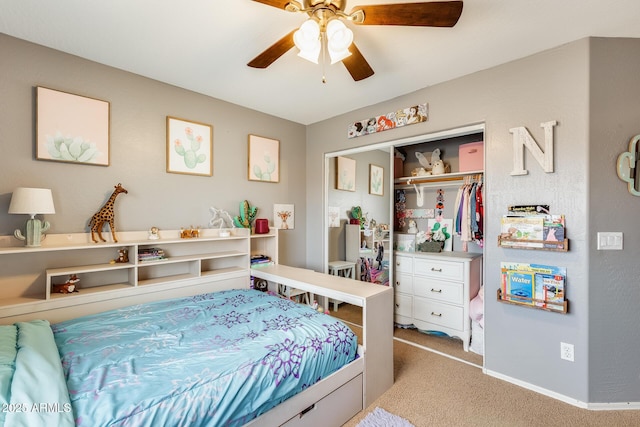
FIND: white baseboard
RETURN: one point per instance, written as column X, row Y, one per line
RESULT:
column 613, row 406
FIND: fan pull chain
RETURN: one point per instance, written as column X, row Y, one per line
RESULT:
column 324, row 56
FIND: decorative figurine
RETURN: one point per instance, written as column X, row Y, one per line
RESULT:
column 71, row 285
column 189, row 233
column 220, row 219
column 123, row 255
column 154, row 233
column 247, row 215
column 106, row 215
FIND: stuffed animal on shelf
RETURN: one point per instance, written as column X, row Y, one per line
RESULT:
column 71, row 285
column 428, row 159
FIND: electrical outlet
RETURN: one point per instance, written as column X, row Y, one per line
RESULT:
column 566, row 351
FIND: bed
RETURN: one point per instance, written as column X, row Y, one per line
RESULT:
column 127, row 366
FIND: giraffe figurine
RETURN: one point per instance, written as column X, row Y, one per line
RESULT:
column 106, row 214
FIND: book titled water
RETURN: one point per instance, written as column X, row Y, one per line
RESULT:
column 534, row 284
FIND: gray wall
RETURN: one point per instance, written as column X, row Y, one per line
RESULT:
column 520, row 343
column 139, row 107
column 614, row 291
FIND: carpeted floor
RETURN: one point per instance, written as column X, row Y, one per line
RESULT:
column 434, row 390
column 450, row 346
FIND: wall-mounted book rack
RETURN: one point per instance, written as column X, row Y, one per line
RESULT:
column 556, row 307
column 540, row 245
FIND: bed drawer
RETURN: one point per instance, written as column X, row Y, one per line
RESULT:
column 334, row 409
column 440, row 269
column 445, row 315
column 438, row 290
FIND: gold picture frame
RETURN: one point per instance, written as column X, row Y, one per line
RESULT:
column 263, row 159
column 189, row 147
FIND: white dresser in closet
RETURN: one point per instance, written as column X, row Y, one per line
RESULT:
column 433, row 290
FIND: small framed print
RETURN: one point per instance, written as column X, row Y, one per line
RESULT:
column 264, row 159
column 376, row 180
column 71, row 128
column 345, row 174
column 284, row 216
column 189, row 147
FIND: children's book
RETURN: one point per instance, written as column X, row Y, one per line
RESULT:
column 534, row 284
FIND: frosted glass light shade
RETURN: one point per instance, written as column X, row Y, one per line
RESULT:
column 339, row 38
column 307, row 39
column 32, row 201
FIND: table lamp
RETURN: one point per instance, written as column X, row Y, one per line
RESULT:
column 32, row 201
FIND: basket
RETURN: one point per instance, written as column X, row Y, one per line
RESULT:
column 430, row 246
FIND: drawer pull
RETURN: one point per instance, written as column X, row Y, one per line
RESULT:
column 436, row 314
column 397, row 283
column 439, row 270
column 304, row 411
column 437, row 291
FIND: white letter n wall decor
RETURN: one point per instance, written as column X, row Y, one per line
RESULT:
column 522, row 138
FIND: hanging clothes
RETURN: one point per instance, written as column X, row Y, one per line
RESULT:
column 469, row 213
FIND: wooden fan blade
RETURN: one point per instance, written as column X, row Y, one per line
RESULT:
column 357, row 66
column 280, row 4
column 274, row 52
column 429, row 14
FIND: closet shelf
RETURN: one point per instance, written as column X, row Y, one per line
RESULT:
column 447, row 179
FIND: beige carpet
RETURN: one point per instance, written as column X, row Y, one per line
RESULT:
column 434, row 390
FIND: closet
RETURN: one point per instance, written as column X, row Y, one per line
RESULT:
column 434, row 287
column 433, row 290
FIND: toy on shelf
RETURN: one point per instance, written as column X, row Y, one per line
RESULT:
column 154, row 233
column 70, row 286
column 106, row 215
column 189, row 233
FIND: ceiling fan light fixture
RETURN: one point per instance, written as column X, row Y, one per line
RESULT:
column 307, row 40
column 339, row 38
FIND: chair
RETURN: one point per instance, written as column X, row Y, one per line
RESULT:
column 294, row 294
column 344, row 269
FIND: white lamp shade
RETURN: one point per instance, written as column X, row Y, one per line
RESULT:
column 307, row 39
column 339, row 38
column 32, row 201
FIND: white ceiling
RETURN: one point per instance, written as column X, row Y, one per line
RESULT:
column 204, row 45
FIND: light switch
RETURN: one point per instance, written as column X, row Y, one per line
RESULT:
column 610, row 241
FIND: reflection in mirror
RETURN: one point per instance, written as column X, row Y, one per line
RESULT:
column 368, row 187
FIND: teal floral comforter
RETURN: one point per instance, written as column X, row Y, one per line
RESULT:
column 218, row 359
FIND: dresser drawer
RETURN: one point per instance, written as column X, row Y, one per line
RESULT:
column 403, row 305
column 404, row 283
column 404, row 264
column 440, row 269
column 445, row 315
column 438, row 290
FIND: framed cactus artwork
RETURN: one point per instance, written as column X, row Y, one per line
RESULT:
column 264, row 159
column 376, row 180
column 189, row 147
column 71, row 128
column 345, row 174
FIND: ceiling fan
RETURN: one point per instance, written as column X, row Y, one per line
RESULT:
column 324, row 13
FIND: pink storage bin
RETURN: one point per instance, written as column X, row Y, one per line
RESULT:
column 471, row 156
